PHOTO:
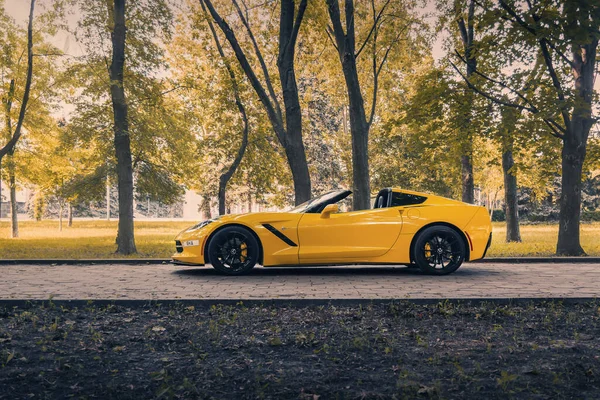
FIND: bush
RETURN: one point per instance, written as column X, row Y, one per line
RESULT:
column 498, row 216
column 551, row 216
column 590, row 216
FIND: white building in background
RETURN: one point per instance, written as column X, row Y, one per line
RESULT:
column 23, row 196
column 191, row 205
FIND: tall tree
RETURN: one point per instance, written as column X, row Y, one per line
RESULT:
column 557, row 29
column 125, row 235
column 360, row 121
column 229, row 171
column 287, row 124
column 13, row 136
column 467, row 36
column 121, row 107
column 508, row 122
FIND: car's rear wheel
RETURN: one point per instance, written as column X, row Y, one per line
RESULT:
column 233, row 250
column 439, row 250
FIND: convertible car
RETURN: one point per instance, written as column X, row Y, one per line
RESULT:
column 435, row 234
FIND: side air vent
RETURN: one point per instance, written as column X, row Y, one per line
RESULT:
column 280, row 235
column 178, row 246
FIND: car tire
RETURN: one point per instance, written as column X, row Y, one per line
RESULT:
column 233, row 250
column 439, row 250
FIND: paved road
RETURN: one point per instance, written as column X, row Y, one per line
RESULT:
column 114, row 281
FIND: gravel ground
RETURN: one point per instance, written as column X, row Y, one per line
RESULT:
column 449, row 350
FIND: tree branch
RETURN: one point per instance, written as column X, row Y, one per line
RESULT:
column 373, row 27
column 338, row 31
column 329, row 33
column 261, row 60
column 490, row 96
column 517, row 18
column 555, row 81
column 502, row 84
column 273, row 115
column 9, row 147
column 554, row 126
column 299, row 16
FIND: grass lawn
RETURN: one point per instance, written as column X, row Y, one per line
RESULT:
column 96, row 239
column 86, row 239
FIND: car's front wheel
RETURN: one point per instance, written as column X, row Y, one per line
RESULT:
column 233, row 250
column 439, row 250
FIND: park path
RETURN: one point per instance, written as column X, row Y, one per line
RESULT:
column 159, row 282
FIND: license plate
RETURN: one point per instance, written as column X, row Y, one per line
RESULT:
column 190, row 243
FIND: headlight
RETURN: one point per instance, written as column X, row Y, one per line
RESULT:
column 201, row 224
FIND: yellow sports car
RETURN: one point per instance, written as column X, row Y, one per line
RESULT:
column 404, row 227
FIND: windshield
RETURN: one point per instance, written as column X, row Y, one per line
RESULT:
column 316, row 204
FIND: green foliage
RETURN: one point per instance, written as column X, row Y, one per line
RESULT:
column 185, row 128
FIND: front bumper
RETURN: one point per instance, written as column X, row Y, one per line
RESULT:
column 189, row 251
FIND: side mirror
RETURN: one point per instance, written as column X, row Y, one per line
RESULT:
column 328, row 210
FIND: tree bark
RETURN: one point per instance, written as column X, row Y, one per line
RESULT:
column 575, row 147
column 125, row 234
column 466, row 159
column 70, row 215
column 61, row 211
column 288, row 132
column 205, row 207
column 508, row 126
column 359, row 127
column 294, row 146
column 107, row 198
column 513, row 233
column 14, row 219
column 468, row 186
column 573, row 155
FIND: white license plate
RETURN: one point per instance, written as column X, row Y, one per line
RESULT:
column 190, row 243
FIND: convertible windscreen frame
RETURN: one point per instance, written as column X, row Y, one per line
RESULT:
column 317, row 204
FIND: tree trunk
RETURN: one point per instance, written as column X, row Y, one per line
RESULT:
column 513, row 233
column 293, row 144
column 359, row 127
column 205, row 206
column 125, row 235
column 468, row 185
column 575, row 147
column 289, row 133
column 60, row 215
column 70, row 215
column 466, row 160
column 296, row 156
column 573, row 155
column 14, row 219
column 107, row 198
column 226, row 175
column 14, row 137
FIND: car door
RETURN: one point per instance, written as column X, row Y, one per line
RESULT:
column 346, row 237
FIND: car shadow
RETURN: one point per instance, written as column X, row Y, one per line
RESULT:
column 326, row 271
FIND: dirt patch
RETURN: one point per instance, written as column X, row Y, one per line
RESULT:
column 397, row 350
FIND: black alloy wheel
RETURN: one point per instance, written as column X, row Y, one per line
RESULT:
column 233, row 250
column 439, row 250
